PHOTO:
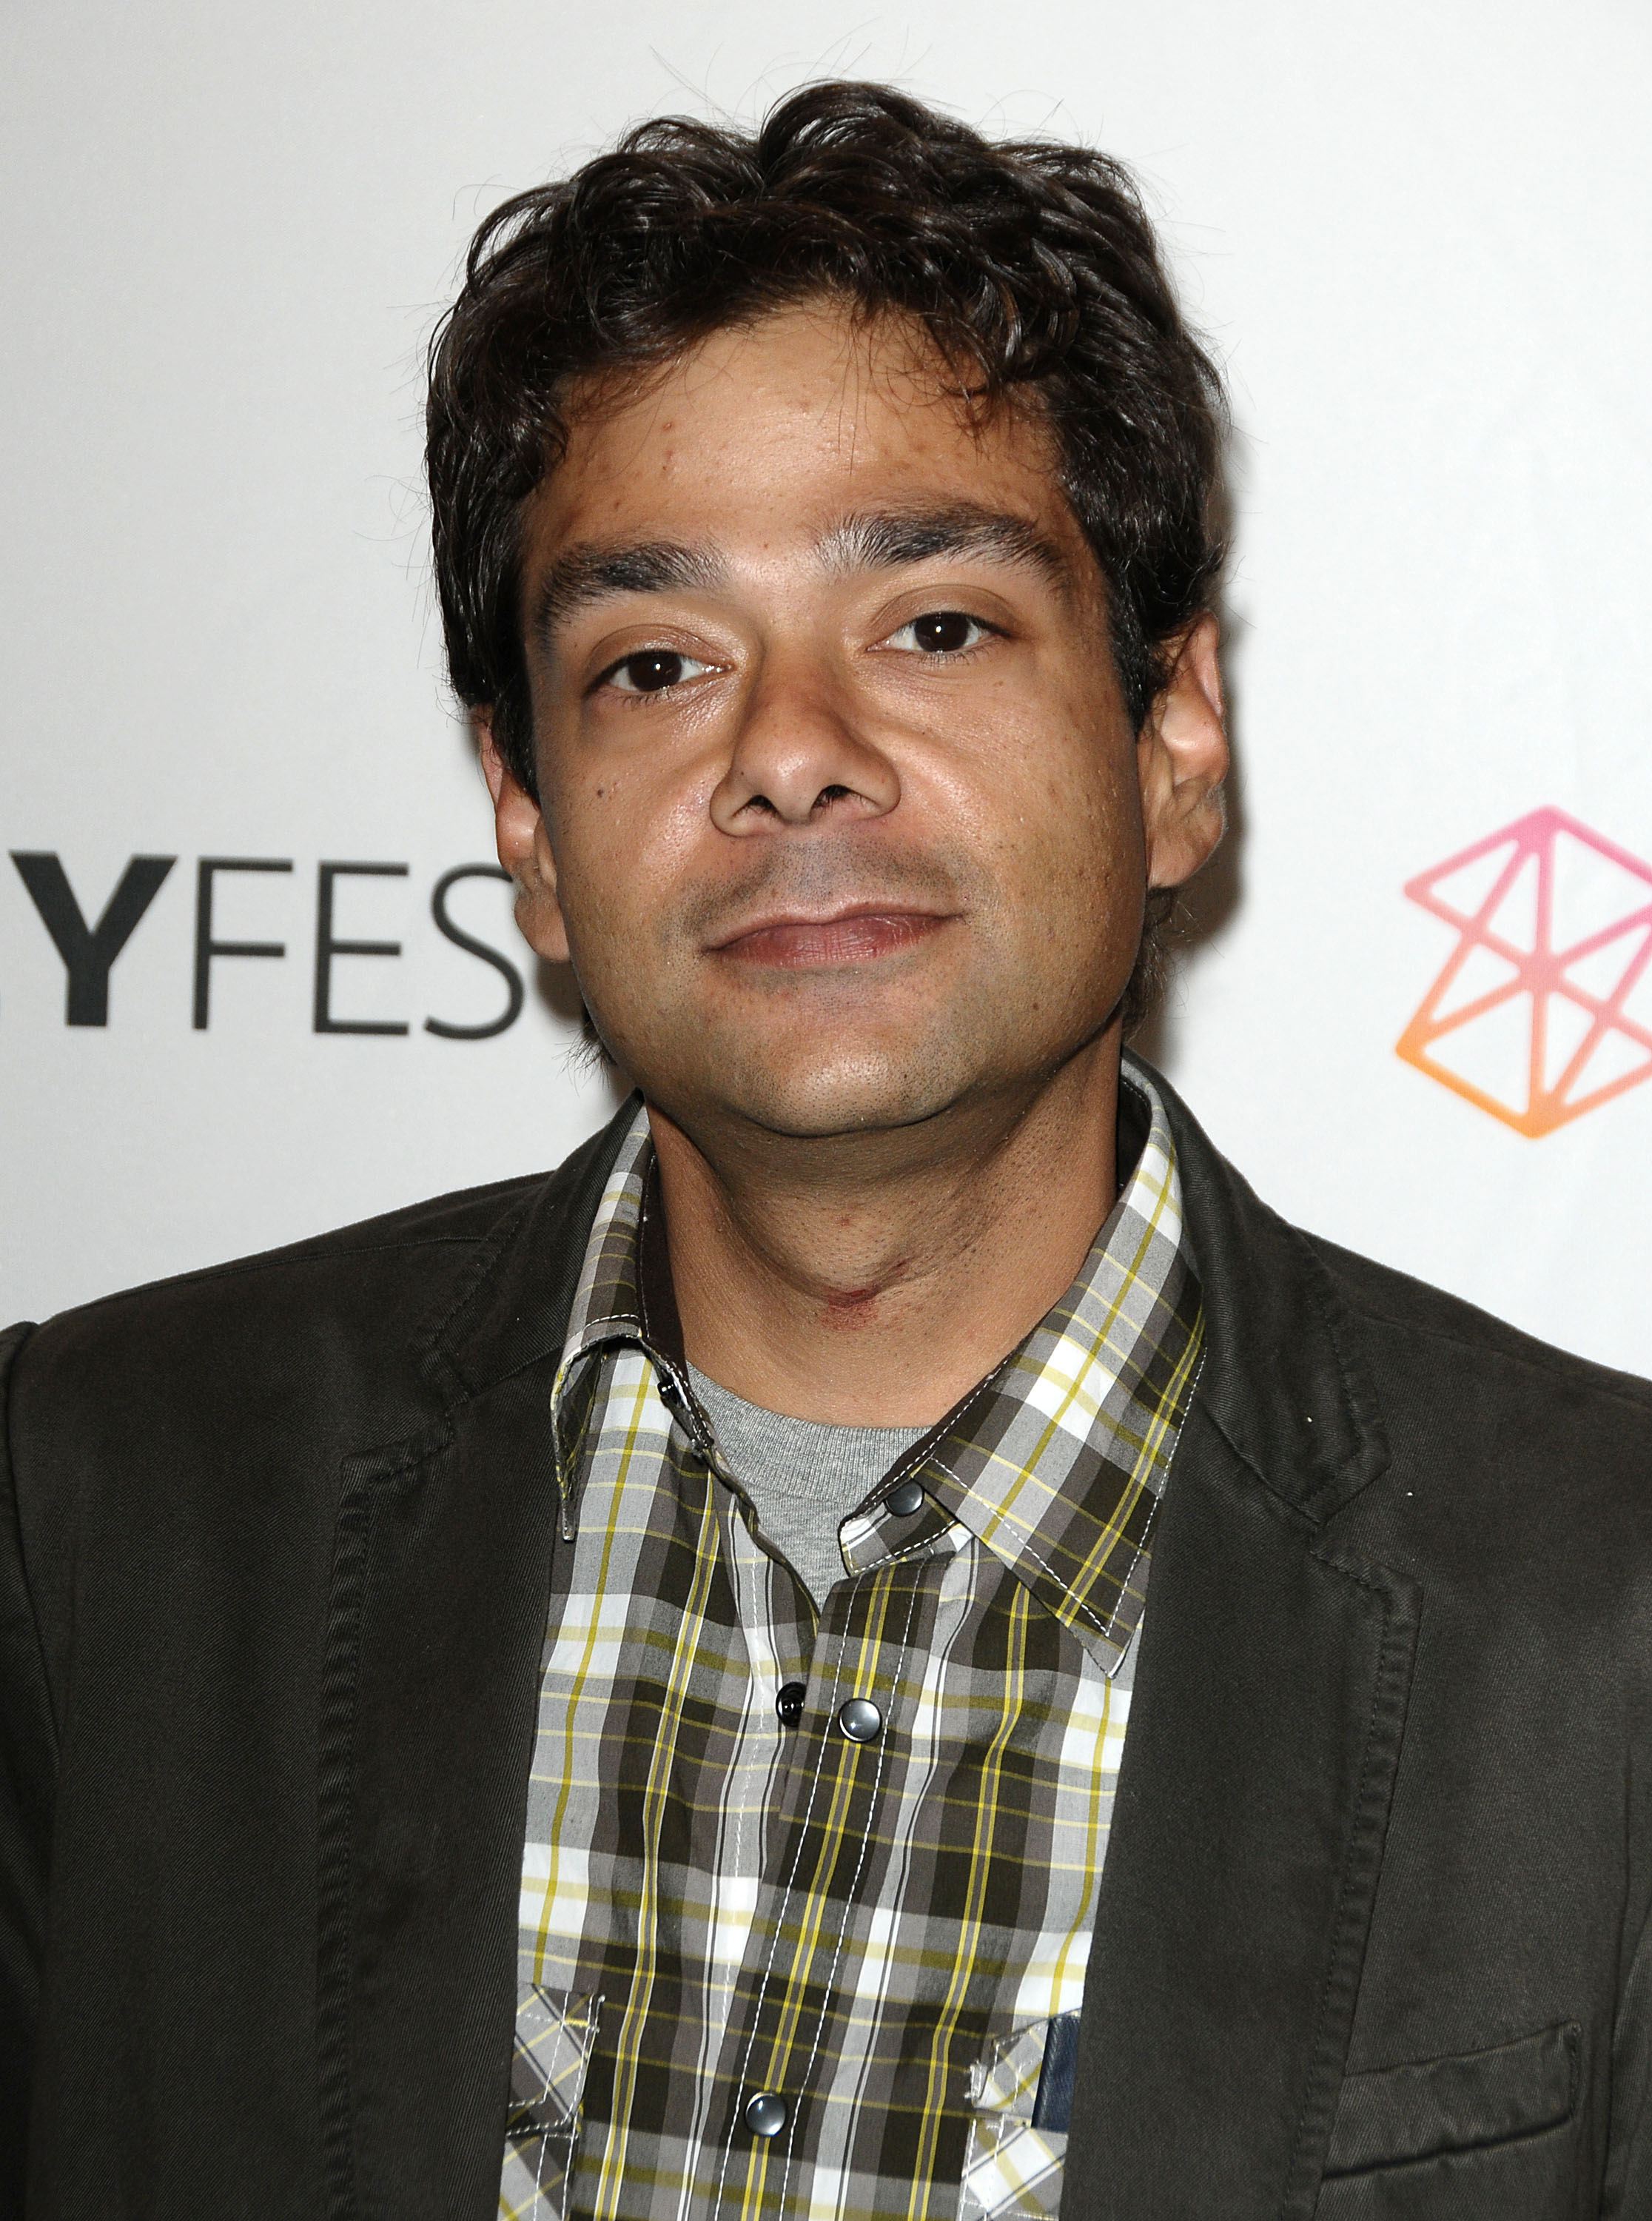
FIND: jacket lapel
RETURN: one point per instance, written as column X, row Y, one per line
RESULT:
column 1246, row 1846
column 441, row 1580
column 1271, row 1694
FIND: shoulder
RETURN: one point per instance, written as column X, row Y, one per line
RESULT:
column 340, row 1325
column 1413, row 1430
column 379, row 1279
column 1514, row 1481
column 1308, row 1320
column 1305, row 1325
column 207, row 1420
column 1422, row 1339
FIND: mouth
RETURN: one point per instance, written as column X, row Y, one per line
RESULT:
column 856, row 935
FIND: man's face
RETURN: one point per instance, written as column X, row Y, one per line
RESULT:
column 843, row 822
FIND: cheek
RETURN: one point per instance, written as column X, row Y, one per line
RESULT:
column 1067, row 816
column 623, row 842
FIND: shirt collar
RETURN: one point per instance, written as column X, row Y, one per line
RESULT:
column 1056, row 1461
column 608, row 1301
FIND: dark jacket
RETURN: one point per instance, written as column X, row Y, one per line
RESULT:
column 274, row 1540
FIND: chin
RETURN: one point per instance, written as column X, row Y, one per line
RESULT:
column 838, row 1073
column 816, row 1097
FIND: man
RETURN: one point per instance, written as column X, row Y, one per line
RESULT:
column 888, row 1641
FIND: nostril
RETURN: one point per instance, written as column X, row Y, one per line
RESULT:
column 828, row 795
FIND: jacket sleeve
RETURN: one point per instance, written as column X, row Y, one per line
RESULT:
column 27, row 1771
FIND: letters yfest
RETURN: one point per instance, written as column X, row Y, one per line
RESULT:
column 89, row 952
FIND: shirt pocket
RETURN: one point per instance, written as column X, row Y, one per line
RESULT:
column 551, row 2052
column 1470, row 2135
column 1020, row 2100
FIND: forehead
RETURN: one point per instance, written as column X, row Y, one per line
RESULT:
column 779, row 427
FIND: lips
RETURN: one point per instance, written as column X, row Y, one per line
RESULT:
column 854, row 937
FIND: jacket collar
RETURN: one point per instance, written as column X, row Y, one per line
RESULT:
column 1285, row 1379
column 513, row 1310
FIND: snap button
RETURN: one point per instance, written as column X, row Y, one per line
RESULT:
column 905, row 1499
column 789, row 1703
column 765, row 2115
column 860, row 1720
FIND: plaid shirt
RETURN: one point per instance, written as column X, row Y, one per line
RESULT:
column 820, row 1957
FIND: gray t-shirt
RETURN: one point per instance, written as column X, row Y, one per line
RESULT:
column 803, row 1476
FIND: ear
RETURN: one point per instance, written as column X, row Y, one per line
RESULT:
column 1182, row 757
column 524, row 848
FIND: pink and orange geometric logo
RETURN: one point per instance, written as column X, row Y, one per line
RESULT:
column 1544, row 1007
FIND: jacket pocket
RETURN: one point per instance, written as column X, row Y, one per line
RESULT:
column 1399, row 2115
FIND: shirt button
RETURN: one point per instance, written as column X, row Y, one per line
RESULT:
column 789, row 1703
column 905, row 1499
column 860, row 1720
column 765, row 2115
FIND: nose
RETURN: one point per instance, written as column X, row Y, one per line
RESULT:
column 799, row 755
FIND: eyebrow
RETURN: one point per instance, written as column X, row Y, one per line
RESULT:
column 884, row 540
column 588, row 574
column 889, row 538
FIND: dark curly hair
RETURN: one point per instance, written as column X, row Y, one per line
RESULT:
column 1032, row 266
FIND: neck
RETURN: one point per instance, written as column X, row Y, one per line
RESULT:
column 871, row 1278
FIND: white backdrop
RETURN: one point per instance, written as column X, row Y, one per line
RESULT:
column 1416, row 236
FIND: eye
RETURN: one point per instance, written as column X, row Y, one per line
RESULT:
column 651, row 670
column 941, row 632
